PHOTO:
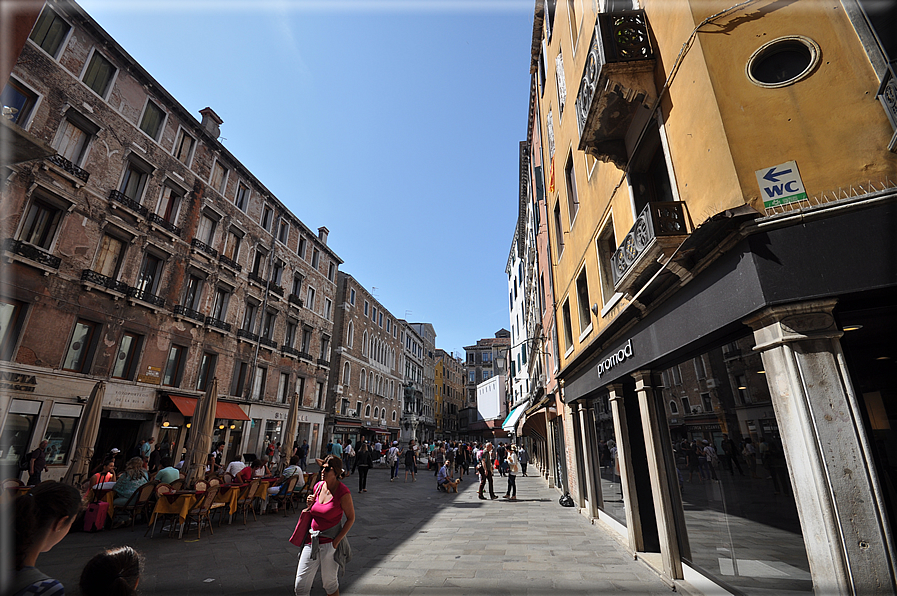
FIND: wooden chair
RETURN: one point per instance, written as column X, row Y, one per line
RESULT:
column 200, row 486
column 244, row 503
column 285, row 496
column 137, row 502
column 214, row 481
column 160, row 489
column 202, row 510
column 177, row 484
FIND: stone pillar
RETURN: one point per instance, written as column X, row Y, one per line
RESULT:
column 621, row 430
column 550, row 457
column 657, row 444
column 586, row 442
column 839, row 504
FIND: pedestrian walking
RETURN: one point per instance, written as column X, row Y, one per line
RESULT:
column 513, row 469
column 349, row 455
column 501, row 453
column 523, row 458
column 325, row 546
column 410, row 462
column 303, row 455
column 730, row 452
column 364, row 461
column 37, row 463
column 392, row 460
column 484, row 468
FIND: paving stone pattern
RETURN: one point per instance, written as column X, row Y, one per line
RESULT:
column 408, row 538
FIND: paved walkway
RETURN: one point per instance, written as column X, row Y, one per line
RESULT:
column 407, row 539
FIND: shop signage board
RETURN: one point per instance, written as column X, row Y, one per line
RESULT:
column 781, row 185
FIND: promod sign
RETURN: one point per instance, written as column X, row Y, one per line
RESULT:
column 781, row 185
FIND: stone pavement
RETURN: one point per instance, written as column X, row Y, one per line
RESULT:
column 407, row 539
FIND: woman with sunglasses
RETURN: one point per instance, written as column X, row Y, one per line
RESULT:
column 325, row 545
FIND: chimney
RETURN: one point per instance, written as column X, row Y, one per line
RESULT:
column 211, row 121
column 322, row 235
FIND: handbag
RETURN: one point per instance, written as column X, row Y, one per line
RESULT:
column 303, row 525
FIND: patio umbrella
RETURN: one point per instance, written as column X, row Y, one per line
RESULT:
column 289, row 433
column 200, row 444
column 87, row 434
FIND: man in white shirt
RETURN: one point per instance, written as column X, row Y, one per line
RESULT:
column 234, row 467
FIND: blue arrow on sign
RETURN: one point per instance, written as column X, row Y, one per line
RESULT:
column 772, row 175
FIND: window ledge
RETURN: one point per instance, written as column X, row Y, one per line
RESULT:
column 611, row 303
column 11, row 257
column 585, row 332
column 75, row 181
column 568, row 352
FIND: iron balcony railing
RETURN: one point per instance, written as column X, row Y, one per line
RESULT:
column 322, row 362
column 69, row 167
column 189, row 313
column 128, row 202
column 164, row 223
column 32, row 253
column 200, row 245
column 274, row 288
column 256, row 278
column 657, row 219
column 294, row 299
column 217, row 324
column 98, row 279
column 268, row 342
column 289, row 350
column 146, row 296
column 306, row 356
column 227, row 261
column 247, row 334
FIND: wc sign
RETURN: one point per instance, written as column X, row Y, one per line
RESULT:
column 781, row 185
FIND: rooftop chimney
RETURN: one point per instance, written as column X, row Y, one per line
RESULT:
column 322, row 235
column 211, row 121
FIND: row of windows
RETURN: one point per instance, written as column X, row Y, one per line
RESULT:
column 376, row 316
column 368, row 381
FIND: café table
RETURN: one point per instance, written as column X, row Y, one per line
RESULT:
column 178, row 503
column 229, row 494
column 262, row 492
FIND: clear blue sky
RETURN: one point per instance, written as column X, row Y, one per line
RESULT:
column 395, row 124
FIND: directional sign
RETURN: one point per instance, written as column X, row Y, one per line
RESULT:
column 781, row 184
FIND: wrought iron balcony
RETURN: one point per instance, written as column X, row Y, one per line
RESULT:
column 274, row 288
column 145, row 296
column 98, row 279
column 69, row 167
column 257, row 279
column 164, row 223
column 294, row 299
column 617, row 84
column 289, row 350
column 322, row 362
column 228, row 262
column 268, row 342
column 218, row 324
column 128, row 202
column 247, row 335
column 200, row 245
column 189, row 313
column 32, row 253
column 659, row 230
column 306, row 356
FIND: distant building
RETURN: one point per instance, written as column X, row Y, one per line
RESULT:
column 449, row 395
column 484, row 360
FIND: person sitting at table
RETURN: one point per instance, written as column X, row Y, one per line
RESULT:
column 291, row 470
column 105, row 474
column 131, row 479
column 168, row 473
column 262, row 471
column 114, row 572
column 245, row 475
column 234, row 467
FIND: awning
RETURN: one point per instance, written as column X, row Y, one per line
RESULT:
column 223, row 410
column 511, row 421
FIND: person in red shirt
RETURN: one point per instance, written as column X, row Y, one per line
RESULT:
column 244, row 476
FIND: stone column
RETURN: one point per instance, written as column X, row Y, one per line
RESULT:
column 586, row 441
column 656, row 445
column 839, row 504
column 621, row 430
column 550, row 457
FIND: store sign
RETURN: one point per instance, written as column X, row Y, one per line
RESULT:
column 285, row 415
column 129, row 397
column 615, row 358
column 10, row 381
column 153, row 375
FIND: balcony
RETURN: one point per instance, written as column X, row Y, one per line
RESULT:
column 268, row 342
column 69, row 167
column 164, row 224
column 324, row 363
column 257, row 279
column 306, row 356
column 145, row 296
column 658, row 231
column 128, row 202
column 32, row 253
column 617, row 86
column 295, row 300
column 189, row 313
column 290, row 350
column 275, row 289
column 202, row 246
column 247, row 335
column 228, row 262
column 218, row 324
column 92, row 278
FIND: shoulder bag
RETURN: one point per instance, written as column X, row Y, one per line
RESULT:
column 304, row 524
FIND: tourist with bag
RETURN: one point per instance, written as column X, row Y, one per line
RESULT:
column 485, row 470
column 392, row 460
column 319, row 533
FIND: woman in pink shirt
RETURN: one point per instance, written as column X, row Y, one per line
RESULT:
column 330, row 500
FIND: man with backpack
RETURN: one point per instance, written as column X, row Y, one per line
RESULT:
column 37, row 463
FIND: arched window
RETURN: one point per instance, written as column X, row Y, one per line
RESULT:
column 371, row 381
column 346, row 371
column 350, row 335
column 377, row 413
column 367, row 411
column 674, row 408
column 361, row 383
column 364, row 344
column 393, row 415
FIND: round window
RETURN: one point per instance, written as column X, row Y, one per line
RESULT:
column 783, row 61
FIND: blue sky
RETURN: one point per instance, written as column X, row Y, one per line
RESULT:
column 394, row 124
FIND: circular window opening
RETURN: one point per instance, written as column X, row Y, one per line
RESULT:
column 783, row 61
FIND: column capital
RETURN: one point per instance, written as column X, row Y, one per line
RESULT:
column 800, row 321
column 614, row 392
column 644, row 378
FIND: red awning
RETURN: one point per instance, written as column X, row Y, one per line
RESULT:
column 223, row 410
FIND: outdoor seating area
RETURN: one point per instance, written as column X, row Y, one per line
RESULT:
column 176, row 510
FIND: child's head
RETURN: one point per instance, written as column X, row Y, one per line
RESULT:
column 114, row 572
